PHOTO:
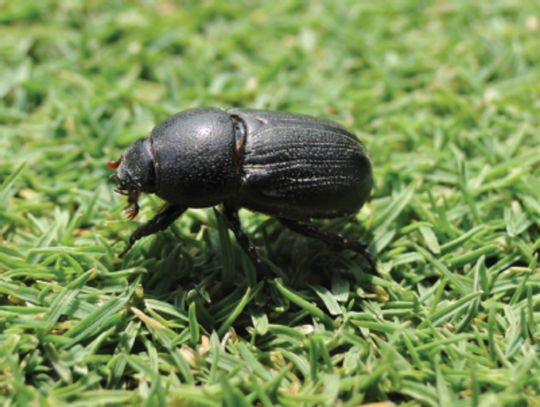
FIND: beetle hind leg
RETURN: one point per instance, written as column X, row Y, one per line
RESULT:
column 233, row 220
column 333, row 240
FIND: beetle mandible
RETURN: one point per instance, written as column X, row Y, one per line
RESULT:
column 290, row 166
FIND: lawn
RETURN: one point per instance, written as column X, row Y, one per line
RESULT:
column 446, row 97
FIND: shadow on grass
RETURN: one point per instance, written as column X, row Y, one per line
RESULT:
column 209, row 268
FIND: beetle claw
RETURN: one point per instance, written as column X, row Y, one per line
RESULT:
column 132, row 211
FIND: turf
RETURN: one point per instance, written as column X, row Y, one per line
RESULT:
column 446, row 97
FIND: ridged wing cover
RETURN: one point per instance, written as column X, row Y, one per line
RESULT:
column 300, row 167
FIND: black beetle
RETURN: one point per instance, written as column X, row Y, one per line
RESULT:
column 291, row 166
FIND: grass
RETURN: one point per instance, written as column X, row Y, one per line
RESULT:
column 446, row 96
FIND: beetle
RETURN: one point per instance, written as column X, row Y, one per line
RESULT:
column 290, row 166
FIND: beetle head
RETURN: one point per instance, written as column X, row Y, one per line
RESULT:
column 136, row 173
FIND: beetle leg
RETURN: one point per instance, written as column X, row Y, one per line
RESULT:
column 231, row 214
column 163, row 219
column 335, row 241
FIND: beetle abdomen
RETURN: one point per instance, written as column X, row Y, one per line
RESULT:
column 300, row 167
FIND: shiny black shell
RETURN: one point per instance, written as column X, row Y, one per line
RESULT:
column 282, row 164
column 195, row 160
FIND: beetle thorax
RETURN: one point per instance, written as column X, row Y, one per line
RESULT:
column 195, row 157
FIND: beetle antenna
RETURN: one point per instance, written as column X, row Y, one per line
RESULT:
column 113, row 165
column 120, row 191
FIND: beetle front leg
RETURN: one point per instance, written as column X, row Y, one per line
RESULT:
column 335, row 241
column 231, row 215
column 161, row 221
